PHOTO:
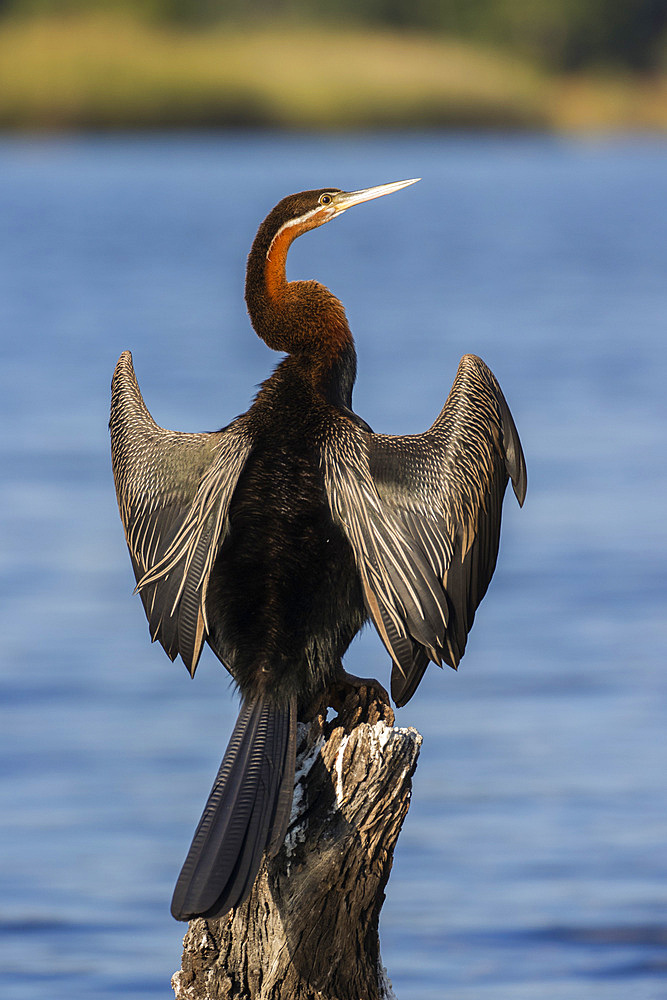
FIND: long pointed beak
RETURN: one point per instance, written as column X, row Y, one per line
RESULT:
column 346, row 199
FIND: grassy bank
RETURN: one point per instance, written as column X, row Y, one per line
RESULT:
column 112, row 72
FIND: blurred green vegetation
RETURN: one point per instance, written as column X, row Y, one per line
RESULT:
column 561, row 64
column 564, row 35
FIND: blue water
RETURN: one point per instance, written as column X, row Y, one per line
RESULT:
column 533, row 862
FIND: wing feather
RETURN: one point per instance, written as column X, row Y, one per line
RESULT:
column 422, row 513
column 173, row 491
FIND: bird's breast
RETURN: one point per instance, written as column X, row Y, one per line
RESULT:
column 285, row 589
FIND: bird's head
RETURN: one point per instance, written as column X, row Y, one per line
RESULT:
column 298, row 213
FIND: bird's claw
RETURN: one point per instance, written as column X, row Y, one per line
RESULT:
column 361, row 698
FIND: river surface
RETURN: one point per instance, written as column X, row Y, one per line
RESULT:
column 533, row 862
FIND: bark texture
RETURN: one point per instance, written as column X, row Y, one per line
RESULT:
column 309, row 929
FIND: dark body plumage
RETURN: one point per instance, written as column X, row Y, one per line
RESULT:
column 285, row 575
column 277, row 537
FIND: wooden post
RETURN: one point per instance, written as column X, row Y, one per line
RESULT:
column 309, row 929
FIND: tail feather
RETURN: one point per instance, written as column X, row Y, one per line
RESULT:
column 285, row 792
column 247, row 866
column 246, row 812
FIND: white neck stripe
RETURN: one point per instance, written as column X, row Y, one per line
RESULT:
column 290, row 223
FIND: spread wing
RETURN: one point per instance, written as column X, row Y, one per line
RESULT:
column 422, row 514
column 173, row 493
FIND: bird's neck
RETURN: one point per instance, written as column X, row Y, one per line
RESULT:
column 302, row 318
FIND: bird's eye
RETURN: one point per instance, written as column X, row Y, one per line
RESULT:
column 325, row 199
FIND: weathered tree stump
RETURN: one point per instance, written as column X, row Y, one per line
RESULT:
column 309, row 929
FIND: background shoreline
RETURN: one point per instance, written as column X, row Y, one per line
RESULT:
column 112, row 72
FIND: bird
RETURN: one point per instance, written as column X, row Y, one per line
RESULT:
column 275, row 539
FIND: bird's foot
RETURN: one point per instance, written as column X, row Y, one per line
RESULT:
column 360, row 698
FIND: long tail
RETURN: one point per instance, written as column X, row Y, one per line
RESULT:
column 247, row 812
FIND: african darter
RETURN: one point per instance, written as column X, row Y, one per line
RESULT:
column 277, row 537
